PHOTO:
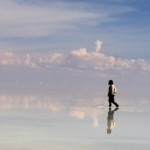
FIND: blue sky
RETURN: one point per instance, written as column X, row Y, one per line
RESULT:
column 65, row 25
column 74, row 44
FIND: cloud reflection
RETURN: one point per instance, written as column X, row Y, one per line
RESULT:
column 94, row 114
column 73, row 108
column 15, row 103
column 28, row 102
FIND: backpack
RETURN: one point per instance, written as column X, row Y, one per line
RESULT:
column 115, row 90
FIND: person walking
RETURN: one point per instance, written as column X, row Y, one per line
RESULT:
column 111, row 93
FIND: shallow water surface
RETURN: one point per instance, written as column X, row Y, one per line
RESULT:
column 38, row 122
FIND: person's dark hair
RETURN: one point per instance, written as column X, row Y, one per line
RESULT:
column 110, row 82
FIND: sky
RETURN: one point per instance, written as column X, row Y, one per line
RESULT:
column 64, row 25
column 74, row 43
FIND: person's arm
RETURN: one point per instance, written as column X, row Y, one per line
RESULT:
column 109, row 90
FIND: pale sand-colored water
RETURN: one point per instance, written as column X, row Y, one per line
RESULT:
column 35, row 123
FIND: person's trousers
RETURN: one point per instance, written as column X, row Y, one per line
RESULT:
column 111, row 100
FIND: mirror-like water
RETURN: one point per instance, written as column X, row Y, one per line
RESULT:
column 38, row 122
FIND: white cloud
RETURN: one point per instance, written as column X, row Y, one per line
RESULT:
column 9, row 58
column 98, row 46
column 93, row 60
column 23, row 20
column 55, row 58
column 77, row 59
column 19, row 19
column 12, row 59
column 28, row 62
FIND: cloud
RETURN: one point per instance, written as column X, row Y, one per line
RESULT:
column 28, row 62
column 20, row 19
column 98, row 46
column 82, row 59
column 93, row 60
column 31, row 19
column 9, row 58
column 56, row 58
column 79, row 59
column 12, row 59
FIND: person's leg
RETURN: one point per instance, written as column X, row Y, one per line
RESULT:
column 113, row 101
column 109, row 100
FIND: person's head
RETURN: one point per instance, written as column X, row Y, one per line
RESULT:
column 108, row 131
column 110, row 82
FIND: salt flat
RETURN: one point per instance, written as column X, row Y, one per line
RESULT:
column 36, row 122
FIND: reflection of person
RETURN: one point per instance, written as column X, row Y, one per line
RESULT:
column 111, row 93
column 110, row 120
